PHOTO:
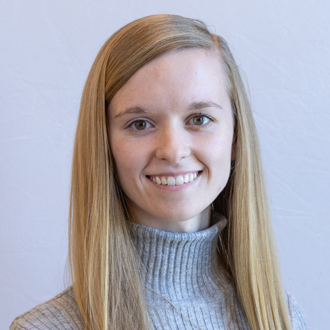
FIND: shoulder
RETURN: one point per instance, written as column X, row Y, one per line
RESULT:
column 60, row 312
column 296, row 313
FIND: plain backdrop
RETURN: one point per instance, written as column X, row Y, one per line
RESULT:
column 47, row 49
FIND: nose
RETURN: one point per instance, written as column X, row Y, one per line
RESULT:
column 172, row 145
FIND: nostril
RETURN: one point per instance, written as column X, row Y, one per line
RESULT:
column 172, row 152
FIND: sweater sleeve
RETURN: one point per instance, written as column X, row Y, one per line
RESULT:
column 59, row 313
column 297, row 315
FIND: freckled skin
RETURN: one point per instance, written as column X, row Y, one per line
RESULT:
column 171, row 142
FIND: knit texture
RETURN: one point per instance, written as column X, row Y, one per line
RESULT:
column 60, row 313
column 178, row 268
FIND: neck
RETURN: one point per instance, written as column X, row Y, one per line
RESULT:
column 175, row 225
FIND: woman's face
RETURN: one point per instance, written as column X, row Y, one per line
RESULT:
column 171, row 133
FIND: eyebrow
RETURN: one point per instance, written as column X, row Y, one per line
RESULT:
column 192, row 107
column 135, row 110
column 203, row 105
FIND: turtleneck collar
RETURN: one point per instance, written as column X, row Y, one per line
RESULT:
column 179, row 266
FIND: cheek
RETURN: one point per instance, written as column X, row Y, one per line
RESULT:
column 122, row 158
column 220, row 156
column 123, row 152
column 129, row 159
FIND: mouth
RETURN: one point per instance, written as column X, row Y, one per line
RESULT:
column 174, row 180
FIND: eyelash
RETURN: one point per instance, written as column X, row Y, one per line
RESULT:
column 130, row 126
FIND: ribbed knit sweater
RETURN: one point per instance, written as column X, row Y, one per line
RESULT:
column 181, row 269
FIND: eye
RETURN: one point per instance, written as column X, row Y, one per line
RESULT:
column 139, row 125
column 200, row 120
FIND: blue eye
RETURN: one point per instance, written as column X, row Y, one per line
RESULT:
column 200, row 120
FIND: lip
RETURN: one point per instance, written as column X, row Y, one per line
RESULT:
column 175, row 188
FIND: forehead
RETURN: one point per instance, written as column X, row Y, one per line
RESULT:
column 172, row 79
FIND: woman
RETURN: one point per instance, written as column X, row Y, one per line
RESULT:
column 169, row 220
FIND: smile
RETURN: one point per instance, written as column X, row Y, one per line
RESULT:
column 174, row 181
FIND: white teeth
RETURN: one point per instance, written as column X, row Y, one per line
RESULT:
column 178, row 181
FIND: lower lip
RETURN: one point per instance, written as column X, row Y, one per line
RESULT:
column 175, row 188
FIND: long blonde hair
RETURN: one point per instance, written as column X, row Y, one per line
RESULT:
column 103, row 263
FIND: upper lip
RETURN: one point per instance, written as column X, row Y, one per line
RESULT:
column 174, row 174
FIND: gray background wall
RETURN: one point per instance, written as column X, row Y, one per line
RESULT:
column 47, row 48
